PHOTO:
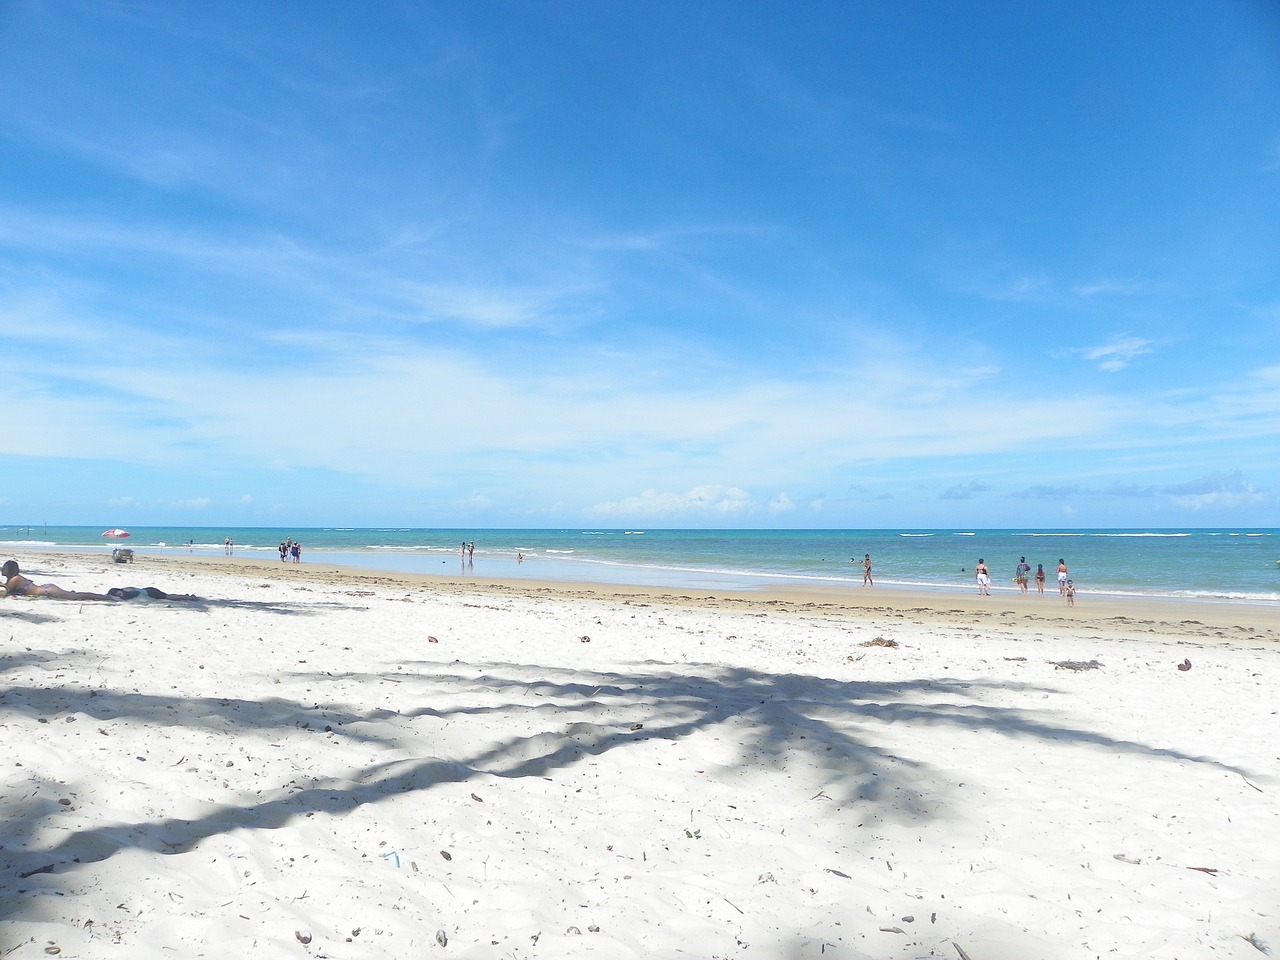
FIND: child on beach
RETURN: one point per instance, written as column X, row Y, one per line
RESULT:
column 1070, row 594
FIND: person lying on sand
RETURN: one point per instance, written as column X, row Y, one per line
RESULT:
column 19, row 586
column 129, row 593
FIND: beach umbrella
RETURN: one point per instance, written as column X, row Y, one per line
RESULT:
column 115, row 533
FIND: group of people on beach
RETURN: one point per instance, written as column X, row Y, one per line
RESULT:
column 16, row 585
column 290, row 548
column 1021, row 576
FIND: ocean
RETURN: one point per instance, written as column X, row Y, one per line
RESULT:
column 1204, row 564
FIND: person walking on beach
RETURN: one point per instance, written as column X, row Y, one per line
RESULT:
column 866, row 571
column 1062, row 577
column 1020, row 573
column 296, row 552
column 1040, row 579
column 226, row 546
column 984, row 578
column 1069, row 591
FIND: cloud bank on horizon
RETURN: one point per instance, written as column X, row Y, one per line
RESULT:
column 510, row 264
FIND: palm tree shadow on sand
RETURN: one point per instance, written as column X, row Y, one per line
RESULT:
column 576, row 715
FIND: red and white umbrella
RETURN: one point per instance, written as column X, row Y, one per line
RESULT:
column 115, row 533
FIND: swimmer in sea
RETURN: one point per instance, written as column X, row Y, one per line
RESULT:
column 20, row 586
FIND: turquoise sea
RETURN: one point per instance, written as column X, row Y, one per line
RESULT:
column 1193, row 563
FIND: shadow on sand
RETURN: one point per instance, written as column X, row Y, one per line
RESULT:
column 574, row 713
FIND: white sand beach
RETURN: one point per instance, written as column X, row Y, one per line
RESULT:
column 320, row 763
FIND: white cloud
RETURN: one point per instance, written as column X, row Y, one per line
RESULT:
column 1268, row 374
column 963, row 491
column 781, row 504
column 487, row 308
column 1219, row 490
column 1117, row 354
column 1108, row 288
column 1024, row 288
column 709, row 500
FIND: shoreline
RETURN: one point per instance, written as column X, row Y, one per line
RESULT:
column 1194, row 565
column 852, row 601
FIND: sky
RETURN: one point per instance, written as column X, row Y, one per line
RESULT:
column 723, row 263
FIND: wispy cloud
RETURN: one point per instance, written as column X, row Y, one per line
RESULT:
column 1108, row 288
column 1021, row 288
column 388, row 260
column 1117, row 354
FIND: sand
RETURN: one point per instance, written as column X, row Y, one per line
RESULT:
column 323, row 763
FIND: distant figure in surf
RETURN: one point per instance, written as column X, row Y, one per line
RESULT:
column 1062, row 577
column 866, row 571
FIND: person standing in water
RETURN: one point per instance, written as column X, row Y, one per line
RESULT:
column 1021, row 572
column 1062, row 577
column 866, row 571
column 984, row 578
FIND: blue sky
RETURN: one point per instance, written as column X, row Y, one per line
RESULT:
column 737, row 264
